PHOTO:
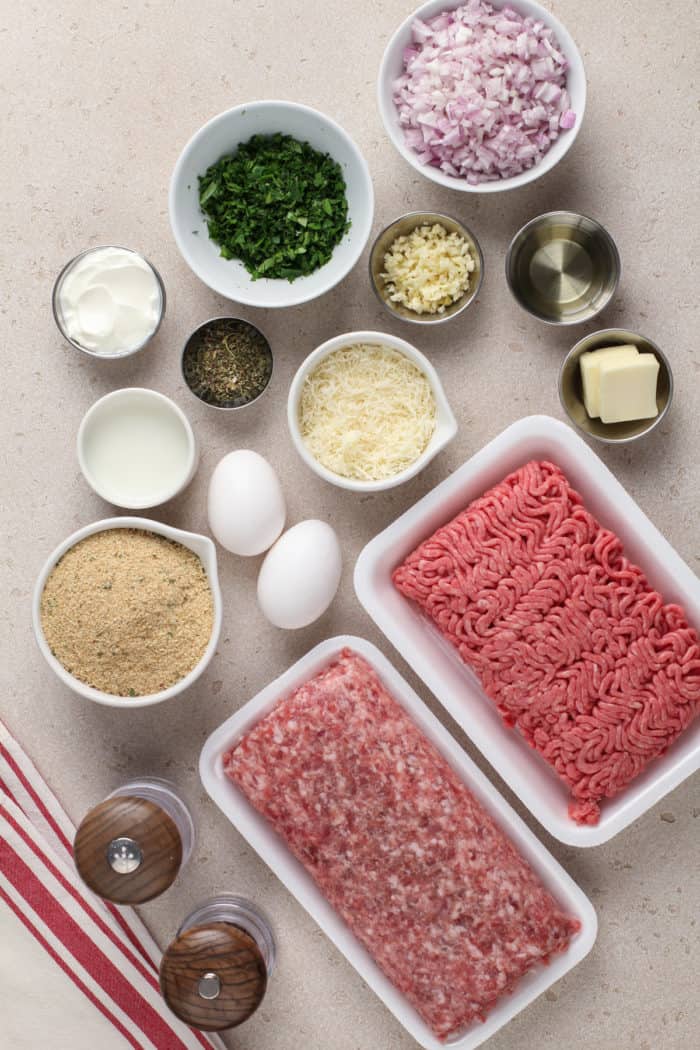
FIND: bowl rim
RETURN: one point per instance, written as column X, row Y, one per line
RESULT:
column 465, row 300
column 122, row 394
column 607, row 237
column 201, row 545
column 314, row 114
column 616, row 333
column 445, row 418
column 573, row 56
column 194, row 332
column 57, row 287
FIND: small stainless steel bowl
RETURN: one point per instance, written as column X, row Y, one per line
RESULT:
column 405, row 224
column 571, row 391
column 563, row 268
column 58, row 316
column 190, row 343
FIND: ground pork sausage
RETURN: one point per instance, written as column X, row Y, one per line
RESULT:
column 416, row 867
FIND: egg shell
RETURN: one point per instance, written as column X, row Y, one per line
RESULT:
column 300, row 575
column 245, row 504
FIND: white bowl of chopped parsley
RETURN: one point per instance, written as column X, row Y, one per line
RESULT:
column 271, row 203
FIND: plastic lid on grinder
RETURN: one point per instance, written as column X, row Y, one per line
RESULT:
column 213, row 976
column 128, row 850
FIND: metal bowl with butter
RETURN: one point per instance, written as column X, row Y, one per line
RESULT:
column 571, row 387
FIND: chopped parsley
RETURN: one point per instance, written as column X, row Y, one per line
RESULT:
column 276, row 204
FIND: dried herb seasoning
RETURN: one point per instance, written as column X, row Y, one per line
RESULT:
column 276, row 204
column 227, row 363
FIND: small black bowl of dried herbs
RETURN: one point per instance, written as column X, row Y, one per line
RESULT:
column 227, row 362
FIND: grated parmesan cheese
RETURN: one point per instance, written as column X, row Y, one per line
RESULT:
column 428, row 269
column 366, row 412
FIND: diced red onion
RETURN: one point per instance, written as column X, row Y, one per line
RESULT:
column 483, row 92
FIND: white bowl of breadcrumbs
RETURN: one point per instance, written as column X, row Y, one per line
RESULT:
column 127, row 611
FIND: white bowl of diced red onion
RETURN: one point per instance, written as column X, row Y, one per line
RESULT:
column 482, row 96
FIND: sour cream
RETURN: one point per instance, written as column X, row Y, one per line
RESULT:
column 109, row 301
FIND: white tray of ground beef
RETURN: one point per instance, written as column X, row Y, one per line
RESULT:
column 314, row 757
column 434, row 583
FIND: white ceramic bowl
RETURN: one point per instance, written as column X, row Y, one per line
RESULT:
column 221, row 135
column 201, row 545
column 293, row 875
column 454, row 684
column 111, row 412
column 392, row 66
column 445, row 428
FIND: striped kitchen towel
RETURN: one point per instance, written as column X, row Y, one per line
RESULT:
column 75, row 972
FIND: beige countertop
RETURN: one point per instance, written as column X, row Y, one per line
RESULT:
column 98, row 100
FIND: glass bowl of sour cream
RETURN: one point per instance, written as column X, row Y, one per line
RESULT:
column 108, row 301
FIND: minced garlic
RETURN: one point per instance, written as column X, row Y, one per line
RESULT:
column 428, row 269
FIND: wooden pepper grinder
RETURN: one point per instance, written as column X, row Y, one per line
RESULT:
column 214, row 974
column 130, row 848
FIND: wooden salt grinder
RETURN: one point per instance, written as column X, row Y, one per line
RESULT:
column 130, row 848
column 214, row 974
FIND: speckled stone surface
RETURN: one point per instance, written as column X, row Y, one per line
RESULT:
column 98, row 99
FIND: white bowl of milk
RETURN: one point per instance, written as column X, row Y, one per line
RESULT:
column 136, row 448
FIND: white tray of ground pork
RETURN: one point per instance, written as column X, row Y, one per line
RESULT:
column 273, row 849
column 437, row 662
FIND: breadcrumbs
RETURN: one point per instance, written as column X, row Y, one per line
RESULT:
column 128, row 611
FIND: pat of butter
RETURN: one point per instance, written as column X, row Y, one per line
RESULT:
column 590, row 364
column 628, row 389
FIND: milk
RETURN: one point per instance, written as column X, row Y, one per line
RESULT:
column 136, row 450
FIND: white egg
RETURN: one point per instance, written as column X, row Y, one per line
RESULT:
column 245, row 505
column 300, row 575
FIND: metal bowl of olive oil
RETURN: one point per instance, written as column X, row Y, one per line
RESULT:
column 563, row 268
column 227, row 363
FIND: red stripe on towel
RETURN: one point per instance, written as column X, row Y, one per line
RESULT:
column 60, row 834
column 148, row 975
column 103, row 971
column 29, row 788
column 70, row 973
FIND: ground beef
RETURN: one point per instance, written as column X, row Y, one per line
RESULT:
column 566, row 635
column 399, row 846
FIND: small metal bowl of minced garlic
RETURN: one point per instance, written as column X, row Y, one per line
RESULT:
column 227, row 363
column 616, row 386
column 426, row 268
